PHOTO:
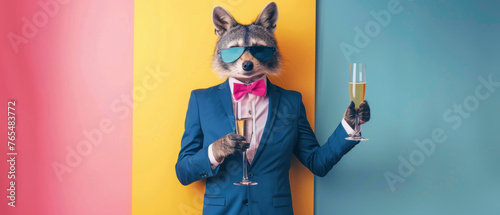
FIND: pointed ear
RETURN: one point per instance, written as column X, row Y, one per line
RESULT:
column 223, row 21
column 268, row 17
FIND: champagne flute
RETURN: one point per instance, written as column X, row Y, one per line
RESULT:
column 357, row 89
column 242, row 125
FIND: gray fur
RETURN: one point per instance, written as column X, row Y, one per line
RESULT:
column 259, row 33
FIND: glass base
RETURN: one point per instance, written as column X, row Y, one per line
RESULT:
column 359, row 138
column 245, row 182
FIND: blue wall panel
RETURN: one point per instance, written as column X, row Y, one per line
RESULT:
column 428, row 81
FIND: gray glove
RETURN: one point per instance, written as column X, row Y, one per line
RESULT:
column 227, row 145
column 363, row 113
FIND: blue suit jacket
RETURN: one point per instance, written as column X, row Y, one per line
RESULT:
column 287, row 131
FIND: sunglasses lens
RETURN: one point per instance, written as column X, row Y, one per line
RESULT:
column 231, row 54
column 261, row 52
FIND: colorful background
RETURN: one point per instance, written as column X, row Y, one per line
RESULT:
column 177, row 40
column 73, row 130
column 423, row 66
column 101, row 91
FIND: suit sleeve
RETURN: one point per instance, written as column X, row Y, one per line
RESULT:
column 193, row 163
column 320, row 159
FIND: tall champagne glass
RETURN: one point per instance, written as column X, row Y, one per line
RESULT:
column 357, row 89
column 242, row 125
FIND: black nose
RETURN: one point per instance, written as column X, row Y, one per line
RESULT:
column 247, row 65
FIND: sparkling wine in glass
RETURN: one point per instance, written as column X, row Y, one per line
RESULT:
column 242, row 125
column 357, row 90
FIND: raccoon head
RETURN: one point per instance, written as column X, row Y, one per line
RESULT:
column 260, row 33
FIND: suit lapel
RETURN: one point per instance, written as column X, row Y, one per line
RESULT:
column 274, row 98
column 225, row 98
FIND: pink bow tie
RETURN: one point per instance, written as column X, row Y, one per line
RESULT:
column 258, row 88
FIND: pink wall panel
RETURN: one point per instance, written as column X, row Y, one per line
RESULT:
column 69, row 67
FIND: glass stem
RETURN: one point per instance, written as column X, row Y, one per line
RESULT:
column 356, row 124
column 245, row 174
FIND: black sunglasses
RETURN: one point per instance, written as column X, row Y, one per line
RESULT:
column 263, row 53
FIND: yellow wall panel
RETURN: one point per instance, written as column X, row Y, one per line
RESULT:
column 173, row 47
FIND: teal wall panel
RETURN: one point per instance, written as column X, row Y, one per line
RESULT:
column 433, row 78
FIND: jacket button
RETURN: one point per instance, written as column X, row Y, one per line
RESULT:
column 245, row 202
column 250, row 174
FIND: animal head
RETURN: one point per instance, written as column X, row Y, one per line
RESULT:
column 256, row 44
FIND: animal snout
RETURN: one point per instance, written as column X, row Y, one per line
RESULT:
column 247, row 65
